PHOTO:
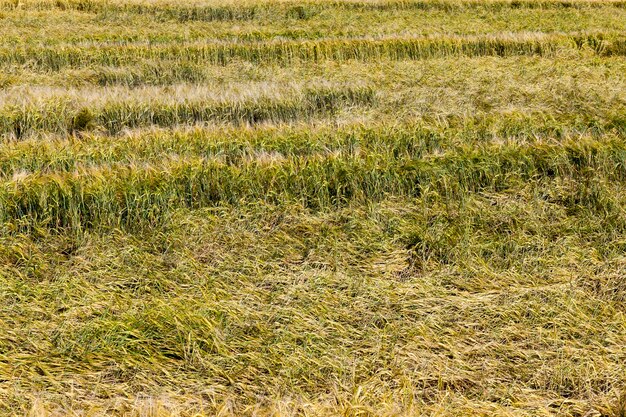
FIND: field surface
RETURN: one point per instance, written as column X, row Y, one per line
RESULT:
column 313, row 208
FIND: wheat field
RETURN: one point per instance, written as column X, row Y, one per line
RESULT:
column 313, row 208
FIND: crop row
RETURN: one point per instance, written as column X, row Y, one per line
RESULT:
column 124, row 195
column 76, row 28
column 237, row 145
column 63, row 117
column 289, row 9
column 286, row 52
column 602, row 76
